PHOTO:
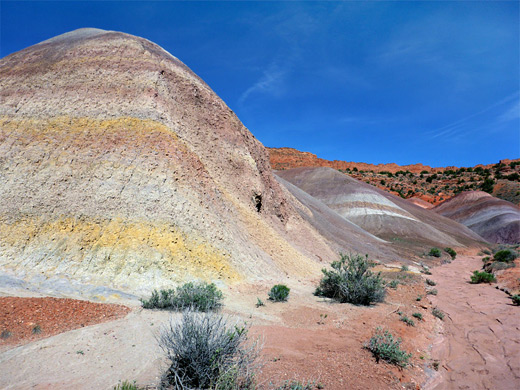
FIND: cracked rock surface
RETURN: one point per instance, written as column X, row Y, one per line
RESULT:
column 481, row 347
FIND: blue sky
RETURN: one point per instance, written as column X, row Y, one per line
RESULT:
column 406, row 82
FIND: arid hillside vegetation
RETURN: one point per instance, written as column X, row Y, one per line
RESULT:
column 432, row 185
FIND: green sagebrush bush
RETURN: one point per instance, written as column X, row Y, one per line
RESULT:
column 126, row 385
column 407, row 321
column 438, row 313
column 385, row 346
column 451, row 252
column 200, row 296
column 482, row 277
column 205, row 351
column 435, row 252
column 419, row 316
column 505, row 255
column 351, row 281
column 497, row 266
column 279, row 293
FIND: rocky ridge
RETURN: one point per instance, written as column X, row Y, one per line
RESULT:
column 432, row 185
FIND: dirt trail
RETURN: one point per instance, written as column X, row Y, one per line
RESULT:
column 481, row 344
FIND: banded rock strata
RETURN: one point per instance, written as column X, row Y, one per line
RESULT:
column 496, row 220
column 379, row 213
column 120, row 167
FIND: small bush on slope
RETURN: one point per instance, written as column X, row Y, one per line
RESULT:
column 407, row 321
column 393, row 284
column 516, row 300
column 482, row 277
column 350, row 280
column 384, row 346
column 126, row 385
column 279, row 293
column 451, row 252
column 435, row 252
column 505, row 255
column 438, row 313
column 419, row 316
column 199, row 296
column 206, row 352
column 497, row 266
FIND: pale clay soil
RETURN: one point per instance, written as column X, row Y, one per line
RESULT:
column 477, row 345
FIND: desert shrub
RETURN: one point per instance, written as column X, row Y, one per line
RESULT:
column 393, row 284
column 419, row 316
column 5, row 334
column 279, row 293
column 435, row 252
column 438, row 313
column 37, row 329
column 259, row 302
column 405, row 268
column 206, row 352
column 419, row 298
column 485, row 259
column 407, row 321
column 451, row 252
column 350, row 280
column 505, row 255
column 199, row 296
column 384, row 346
column 488, row 185
column 497, row 266
column 432, row 292
column 482, row 277
column 126, row 385
column 430, row 282
column 486, row 251
column 516, row 300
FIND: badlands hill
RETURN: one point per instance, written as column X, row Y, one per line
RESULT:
column 120, row 167
column 496, row 220
column 384, row 215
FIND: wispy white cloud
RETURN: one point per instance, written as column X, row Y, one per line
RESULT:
column 362, row 120
column 512, row 113
column 270, row 83
column 466, row 124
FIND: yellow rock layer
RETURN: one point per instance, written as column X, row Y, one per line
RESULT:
column 114, row 247
column 73, row 126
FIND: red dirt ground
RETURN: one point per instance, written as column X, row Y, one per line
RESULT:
column 313, row 339
column 20, row 316
column 329, row 351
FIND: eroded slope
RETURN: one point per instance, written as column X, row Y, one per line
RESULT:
column 120, row 167
column 496, row 220
column 378, row 212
